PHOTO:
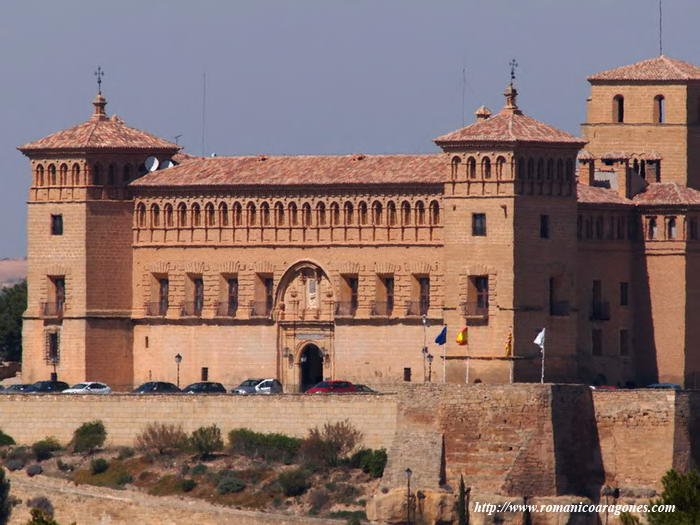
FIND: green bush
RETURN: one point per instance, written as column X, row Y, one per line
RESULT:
column 124, row 478
column 269, row 447
column 319, row 499
column 5, row 498
column 89, row 437
column 34, row 470
column 230, row 484
column 65, row 467
column 206, row 440
column 198, row 470
column 294, row 482
column 42, row 503
column 187, row 485
column 683, row 491
column 5, row 440
column 327, row 446
column 125, row 453
column 98, row 466
column 163, row 438
column 374, row 463
column 45, row 448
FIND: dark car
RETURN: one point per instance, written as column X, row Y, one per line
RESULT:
column 157, row 387
column 46, row 387
column 331, row 386
column 205, row 387
column 16, row 389
column 364, row 389
column 665, row 386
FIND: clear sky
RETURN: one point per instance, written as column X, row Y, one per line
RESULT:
column 307, row 76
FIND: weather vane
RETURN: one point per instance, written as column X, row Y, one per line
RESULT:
column 513, row 64
column 99, row 74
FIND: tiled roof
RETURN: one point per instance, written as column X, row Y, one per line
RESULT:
column 594, row 195
column 301, row 170
column 100, row 133
column 667, row 193
column 659, row 68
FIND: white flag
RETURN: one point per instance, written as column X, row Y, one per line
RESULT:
column 539, row 340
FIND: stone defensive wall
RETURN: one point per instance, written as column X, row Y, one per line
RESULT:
column 514, row 440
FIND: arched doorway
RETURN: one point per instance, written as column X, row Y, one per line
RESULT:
column 311, row 361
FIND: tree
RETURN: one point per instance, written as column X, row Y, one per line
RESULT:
column 5, row 500
column 683, row 491
column 13, row 303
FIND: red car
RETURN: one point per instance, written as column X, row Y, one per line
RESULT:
column 331, row 386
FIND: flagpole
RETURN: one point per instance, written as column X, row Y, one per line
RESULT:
column 466, row 351
column 542, row 377
column 444, row 363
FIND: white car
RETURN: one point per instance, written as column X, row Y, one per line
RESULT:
column 88, row 388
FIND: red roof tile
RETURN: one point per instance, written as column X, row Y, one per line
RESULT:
column 100, row 133
column 594, row 195
column 667, row 193
column 659, row 68
column 301, row 170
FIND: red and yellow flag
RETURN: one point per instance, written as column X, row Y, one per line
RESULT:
column 462, row 337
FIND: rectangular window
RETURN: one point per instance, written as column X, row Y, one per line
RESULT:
column 205, row 373
column 53, row 355
column 544, row 226
column 597, row 342
column 479, row 224
column 693, row 229
column 624, row 342
column 347, row 306
column 198, row 289
column 424, row 297
column 264, row 296
column 481, row 285
column 60, row 292
column 56, row 224
column 232, row 304
column 384, row 298
column 389, row 285
column 269, row 293
column 163, row 287
column 624, row 294
column 407, row 374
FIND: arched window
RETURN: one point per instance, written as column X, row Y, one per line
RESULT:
column 405, row 213
column 210, row 214
column 671, row 228
column 500, row 164
column 265, row 214
column 618, row 108
column 155, row 215
column 306, row 214
column 196, row 215
column 377, row 213
column 362, row 211
column 97, row 174
column 63, row 175
column 52, row 175
column 250, row 212
column 434, row 213
column 141, row 215
column 486, row 168
column 237, row 214
column 126, row 173
column 335, row 214
column 168, row 215
column 391, row 213
column 40, row 175
column 182, row 215
column 420, row 213
column 456, row 161
column 279, row 214
column 76, row 174
column 471, row 167
column 293, row 216
column 223, row 214
column 321, row 214
column 111, row 174
column 659, row 109
column 651, row 232
column 349, row 213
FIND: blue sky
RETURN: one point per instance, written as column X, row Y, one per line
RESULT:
column 307, row 76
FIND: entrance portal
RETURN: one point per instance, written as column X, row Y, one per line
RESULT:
column 311, row 367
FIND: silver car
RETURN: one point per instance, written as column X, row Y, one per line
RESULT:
column 258, row 386
column 91, row 387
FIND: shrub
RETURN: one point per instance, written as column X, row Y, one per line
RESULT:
column 21, row 453
column 198, row 470
column 269, row 447
column 45, row 448
column 206, row 440
column 319, row 499
column 98, row 466
column 374, row 463
column 34, row 470
column 163, row 438
column 124, row 478
column 65, row 467
column 5, row 498
column 346, row 493
column 327, row 446
column 14, row 464
column 5, row 440
column 187, row 485
column 42, row 503
column 125, row 453
column 681, row 490
column 39, row 518
column 89, row 436
column 229, row 485
column 294, row 482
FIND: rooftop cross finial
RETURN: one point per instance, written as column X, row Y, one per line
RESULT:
column 99, row 74
column 513, row 64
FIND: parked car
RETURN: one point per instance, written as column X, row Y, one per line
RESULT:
column 365, row 389
column 604, row 387
column 91, row 387
column 46, row 387
column 666, row 386
column 204, row 387
column 331, row 387
column 258, row 386
column 157, row 387
column 16, row 389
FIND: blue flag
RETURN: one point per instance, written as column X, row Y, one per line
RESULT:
column 441, row 339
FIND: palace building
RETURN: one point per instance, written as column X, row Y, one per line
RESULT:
column 346, row 267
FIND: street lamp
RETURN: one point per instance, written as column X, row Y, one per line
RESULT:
column 178, row 360
column 424, row 320
column 408, row 495
column 430, row 367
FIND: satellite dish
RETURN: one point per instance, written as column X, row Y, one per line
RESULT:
column 166, row 164
column 151, row 164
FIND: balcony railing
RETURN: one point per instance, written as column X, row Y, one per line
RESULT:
column 191, row 309
column 475, row 310
column 416, row 308
column 600, row 311
column 53, row 309
column 559, row 308
column 345, row 309
column 260, row 309
column 158, row 309
column 382, row 308
column 227, row 309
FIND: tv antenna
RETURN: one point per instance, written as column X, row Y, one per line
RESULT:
column 99, row 74
column 177, row 139
column 513, row 65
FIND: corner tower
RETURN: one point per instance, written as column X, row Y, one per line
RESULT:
column 80, row 213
